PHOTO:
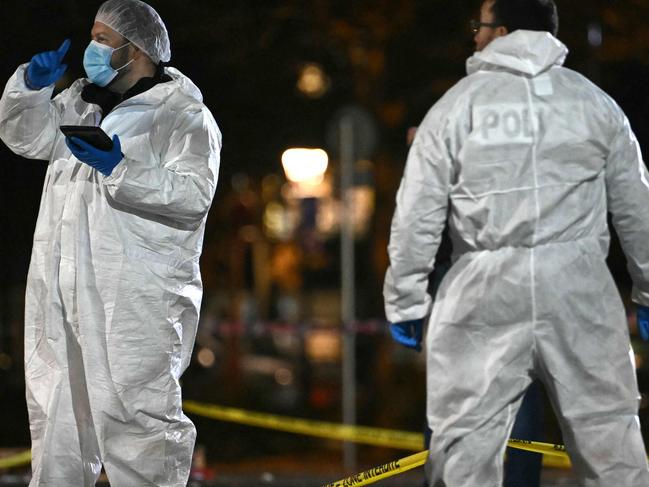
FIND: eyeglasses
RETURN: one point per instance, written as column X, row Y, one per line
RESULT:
column 476, row 25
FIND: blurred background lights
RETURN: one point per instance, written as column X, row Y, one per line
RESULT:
column 594, row 34
column 276, row 221
column 284, row 376
column 323, row 346
column 206, row 357
column 312, row 81
column 306, row 166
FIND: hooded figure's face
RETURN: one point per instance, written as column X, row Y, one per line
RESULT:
column 489, row 32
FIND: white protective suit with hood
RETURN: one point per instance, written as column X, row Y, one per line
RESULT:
column 114, row 286
column 524, row 158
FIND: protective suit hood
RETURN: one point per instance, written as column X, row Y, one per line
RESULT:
column 162, row 91
column 185, row 85
column 522, row 51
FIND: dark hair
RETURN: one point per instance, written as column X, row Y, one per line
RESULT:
column 540, row 15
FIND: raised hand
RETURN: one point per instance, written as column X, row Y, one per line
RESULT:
column 46, row 68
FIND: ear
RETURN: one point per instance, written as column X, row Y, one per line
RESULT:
column 500, row 31
column 136, row 52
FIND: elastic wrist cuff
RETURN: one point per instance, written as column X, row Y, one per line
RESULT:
column 28, row 84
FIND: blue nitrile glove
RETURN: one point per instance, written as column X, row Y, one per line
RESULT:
column 408, row 333
column 102, row 161
column 46, row 68
column 643, row 321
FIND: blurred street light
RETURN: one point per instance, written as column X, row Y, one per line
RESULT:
column 305, row 165
column 312, row 81
column 206, row 357
column 305, row 169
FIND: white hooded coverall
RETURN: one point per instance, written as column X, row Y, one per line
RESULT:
column 524, row 158
column 114, row 287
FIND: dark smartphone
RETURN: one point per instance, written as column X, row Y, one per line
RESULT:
column 93, row 135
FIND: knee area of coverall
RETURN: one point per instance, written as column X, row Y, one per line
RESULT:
column 474, row 458
column 461, row 468
column 159, row 460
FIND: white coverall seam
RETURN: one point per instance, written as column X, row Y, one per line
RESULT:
column 513, row 190
column 586, row 238
column 537, row 208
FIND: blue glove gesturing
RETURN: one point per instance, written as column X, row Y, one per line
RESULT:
column 408, row 333
column 102, row 161
column 45, row 68
column 643, row 321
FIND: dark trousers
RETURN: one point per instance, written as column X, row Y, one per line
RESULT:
column 523, row 469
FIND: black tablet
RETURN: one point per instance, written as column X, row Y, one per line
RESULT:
column 93, row 135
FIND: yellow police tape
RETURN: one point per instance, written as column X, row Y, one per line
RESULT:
column 555, row 452
column 383, row 472
column 17, row 460
column 554, row 455
column 357, row 434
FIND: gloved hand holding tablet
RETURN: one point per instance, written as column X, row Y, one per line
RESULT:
column 92, row 146
column 95, row 136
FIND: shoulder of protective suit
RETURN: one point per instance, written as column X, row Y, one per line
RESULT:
column 452, row 103
column 604, row 102
column 182, row 101
column 190, row 109
column 74, row 90
column 579, row 79
column 183, row 87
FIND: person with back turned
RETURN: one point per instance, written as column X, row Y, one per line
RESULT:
column 526, row 158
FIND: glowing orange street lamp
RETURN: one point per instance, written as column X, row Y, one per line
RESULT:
column 306, row 166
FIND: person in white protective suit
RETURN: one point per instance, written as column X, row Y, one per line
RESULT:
column 525, row 157
column 114, row 286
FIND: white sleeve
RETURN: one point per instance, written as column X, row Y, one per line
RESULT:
column 183, row 186
column 29, row 119
column 627, row 188
column 419, row 219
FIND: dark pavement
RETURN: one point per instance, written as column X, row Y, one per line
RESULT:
column 551, row 478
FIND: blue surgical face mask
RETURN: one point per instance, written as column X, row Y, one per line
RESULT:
column 96, row 62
